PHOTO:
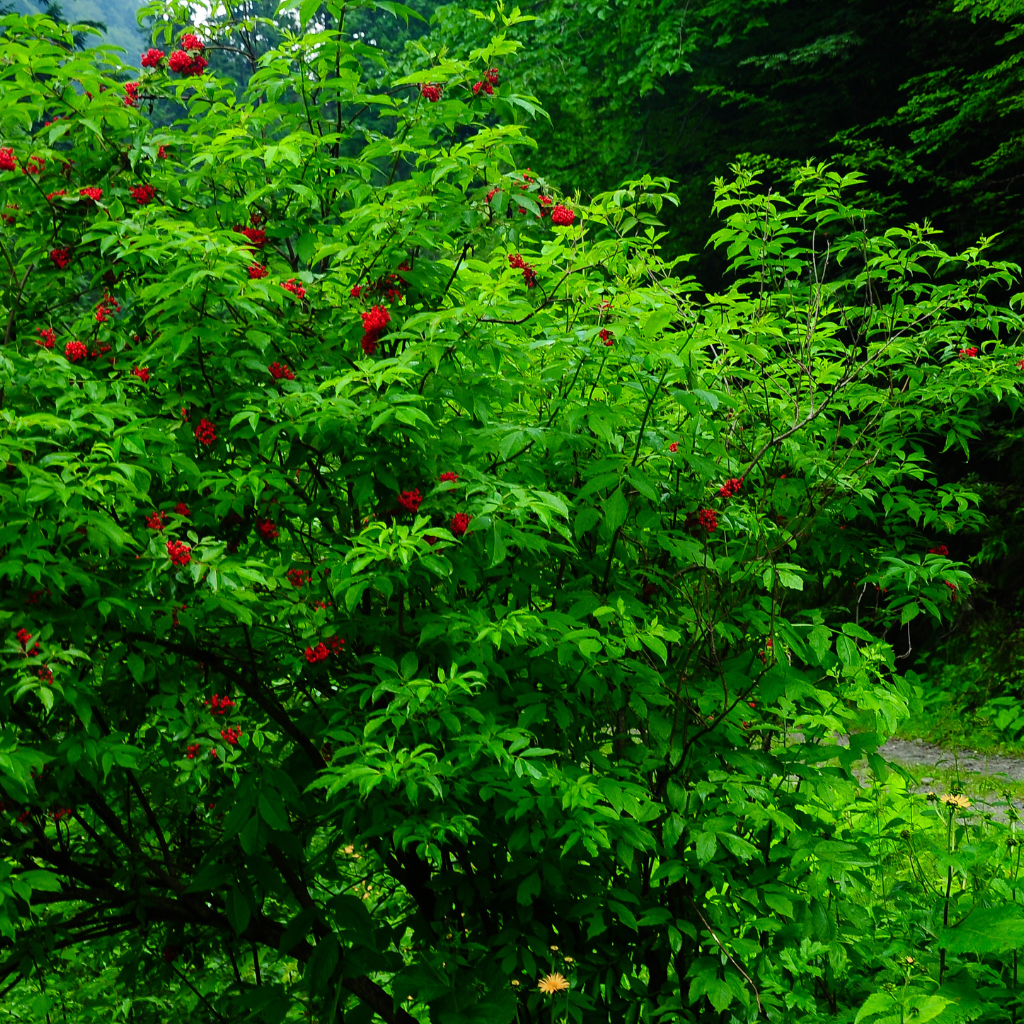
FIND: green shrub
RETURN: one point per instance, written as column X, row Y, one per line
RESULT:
column 429, row 588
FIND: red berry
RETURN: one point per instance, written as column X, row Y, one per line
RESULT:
column 179, row 552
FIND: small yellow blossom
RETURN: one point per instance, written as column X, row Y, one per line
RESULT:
column 955, row 800
column 552, row 983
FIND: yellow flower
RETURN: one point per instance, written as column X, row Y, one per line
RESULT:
column 552, row 983
column 955, row 800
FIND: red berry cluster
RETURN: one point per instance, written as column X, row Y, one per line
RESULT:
column 74, row 351
column 45, row 675
column 151, row 58
column 60, row 257
column 181, row 509
column 219, row 705
column 156, row 520
column 335, row 644
column 730, row 487
column 968, row 353
column 188, row 61
column 490, row 80
column 142, row 372
column 562, row 216
column 24, row 636
column 390, row 286
column 375, row 319
column 291, row 285
column 529, row 274
column 607, row 337
column 61, row 813
column 179, row 552
column 8, row 218
column 46, row 337
column 411, row 500
column 314, row 655
column 34, row 165
column 674, row 447
column 91, row 192
column 459, row 524
column 708, row 518
column 280, row 372
column 206, row 433
column 257, row 271
column 142, row 194
column 449, row 478
column 940, row 550
column 131, row 94
column 230, row 735
column 193, row 749
column 267, row 530
column 298, row 577
column 430, row 92
column 50, row 196
column 105, row 307
column 257, row 237
column 7, row 161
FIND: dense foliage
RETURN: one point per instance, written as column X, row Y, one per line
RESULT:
column 422, row 600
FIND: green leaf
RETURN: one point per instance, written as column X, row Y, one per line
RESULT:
column 986, row 930
column 706, row 842
column 40, row 881
column 529, row 889
column 615, row 509
column 322, row 963
column 877, row 1002
column 238, row 910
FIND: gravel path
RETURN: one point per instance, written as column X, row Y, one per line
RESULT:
column 986, row 772
column 970, row 762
